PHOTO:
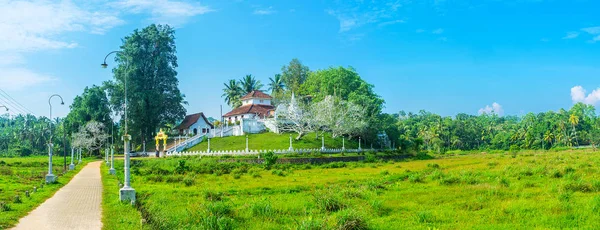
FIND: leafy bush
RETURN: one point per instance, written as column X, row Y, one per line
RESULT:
column 18, row 199
column 255, row 173
column 173, row 178
column 270, row 159
column 181, row 168
column 189, row 181
column 4, row 207
column 350, row 220
column 415, row 178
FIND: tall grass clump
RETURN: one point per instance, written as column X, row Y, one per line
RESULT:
column 262, row 208
column 326, row 201
column 311, row 223
column 351, row 220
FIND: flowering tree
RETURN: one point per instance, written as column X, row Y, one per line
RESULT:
column 339, row 117
column 91, row 136
column 294, row 117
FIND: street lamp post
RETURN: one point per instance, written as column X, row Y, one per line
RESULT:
column 127, row 192
column 112, row 148
column 8, row 120
column 72, row 166
column 51, row 178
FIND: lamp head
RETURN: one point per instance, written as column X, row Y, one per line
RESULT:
column 62, row 103
column 104, row 65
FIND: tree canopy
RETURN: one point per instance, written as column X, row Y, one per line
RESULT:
column 148, row 61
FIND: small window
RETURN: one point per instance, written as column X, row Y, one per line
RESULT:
column 261, row 101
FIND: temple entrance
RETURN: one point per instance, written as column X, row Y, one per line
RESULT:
column 161, row 136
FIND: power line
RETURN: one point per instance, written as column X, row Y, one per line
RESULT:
column 11, row 105
column 23, row 107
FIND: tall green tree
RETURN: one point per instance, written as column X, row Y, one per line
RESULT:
column 91, row 105
column 232, row 93
column 249, row 84
column 294, row 74
column 148, row 61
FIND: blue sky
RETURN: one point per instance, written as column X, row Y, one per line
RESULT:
column 446, row 57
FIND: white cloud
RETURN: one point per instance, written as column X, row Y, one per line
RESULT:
column 420, row 31
column 355, row 14
column 571, row 35
column 18, row 78
column 438, row 31
column 578, row 94
column 388, row 23
column 171, row 12
column 494, row 109
column 592, row 30
column 265, row 11
column 37, row 25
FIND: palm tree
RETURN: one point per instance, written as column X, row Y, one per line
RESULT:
column 249, row 84
column 232, row 93
column 574, row 120
column 276, row 85
column 549, row 137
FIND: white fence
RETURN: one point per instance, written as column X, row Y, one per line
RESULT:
column 255, row 152
column 188, row 143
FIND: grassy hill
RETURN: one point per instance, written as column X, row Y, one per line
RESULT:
column 265, row 141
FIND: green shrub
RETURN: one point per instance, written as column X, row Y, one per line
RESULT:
column 237, row 175
column 278, row 173
column 270, row 159
column 370, row 158
column 350, row 220
column 219, row 208
column 217, row 223
column 4, row 207
column 578, row 186
column 384, row 173
column 181, row 168
column 328, row 202
column 415, row 178
column 449, row 180
column 189, row 181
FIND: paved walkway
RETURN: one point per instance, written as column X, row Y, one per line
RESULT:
column 77, row 205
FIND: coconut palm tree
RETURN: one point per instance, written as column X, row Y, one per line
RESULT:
column 574, row 120
column 249, row 84
column 232, row 93
column 276, row 84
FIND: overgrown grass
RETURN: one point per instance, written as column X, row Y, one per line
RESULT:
column 546, row 190
column 20, row 175
column 117, row 214
column 275, row 141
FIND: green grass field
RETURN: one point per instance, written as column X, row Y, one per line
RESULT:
column 483, row 191
column 266, row 141
column 18, row 175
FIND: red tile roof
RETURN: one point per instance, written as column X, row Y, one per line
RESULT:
column 260, row 110
column 191, row 119
column 257, row 94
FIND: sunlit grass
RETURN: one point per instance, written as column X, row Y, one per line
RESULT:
column 481, row 191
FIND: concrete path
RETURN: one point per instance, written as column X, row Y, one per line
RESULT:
column 77, row 205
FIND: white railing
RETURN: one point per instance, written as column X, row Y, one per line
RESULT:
column 255, row 152
column 187, row 143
